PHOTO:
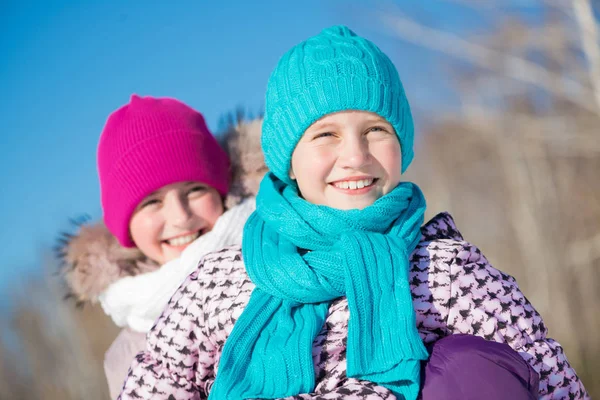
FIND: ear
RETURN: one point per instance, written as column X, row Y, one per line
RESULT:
column 291, row 174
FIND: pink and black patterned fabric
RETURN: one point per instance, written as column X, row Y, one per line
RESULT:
column 455, row 291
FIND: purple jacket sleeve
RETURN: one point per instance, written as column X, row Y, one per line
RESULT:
column 477, row 369
column 488, row 303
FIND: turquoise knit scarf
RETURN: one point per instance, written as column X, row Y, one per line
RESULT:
column 303, row 256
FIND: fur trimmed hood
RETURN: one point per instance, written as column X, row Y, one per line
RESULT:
column 92, row 258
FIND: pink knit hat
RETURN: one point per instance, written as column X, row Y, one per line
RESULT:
column 150, row 143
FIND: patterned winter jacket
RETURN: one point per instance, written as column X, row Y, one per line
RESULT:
column 454, row 288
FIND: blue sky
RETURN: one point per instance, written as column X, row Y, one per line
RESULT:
column 66, row 65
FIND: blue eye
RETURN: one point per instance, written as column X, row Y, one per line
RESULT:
column 324, row 134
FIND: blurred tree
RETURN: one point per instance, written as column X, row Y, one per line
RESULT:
column 49, row 348
column 517, row 162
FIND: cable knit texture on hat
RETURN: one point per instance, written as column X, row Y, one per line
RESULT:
column 333, row 71
column 150, row 143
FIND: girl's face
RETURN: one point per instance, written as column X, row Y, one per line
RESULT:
column 347, row 160
column 168, row 220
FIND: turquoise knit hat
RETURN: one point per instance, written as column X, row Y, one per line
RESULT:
column 333, row 71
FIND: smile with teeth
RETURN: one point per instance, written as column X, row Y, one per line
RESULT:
column 353, row 185
column 183, row 240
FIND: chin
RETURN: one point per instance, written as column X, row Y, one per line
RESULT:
column 171, row 256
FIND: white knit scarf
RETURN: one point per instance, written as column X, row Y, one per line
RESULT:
column 137, row 301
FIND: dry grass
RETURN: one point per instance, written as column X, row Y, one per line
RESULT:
column 57, row 351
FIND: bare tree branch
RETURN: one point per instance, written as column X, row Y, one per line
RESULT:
column 588, row 30
column 510, row 65
column 559, row 5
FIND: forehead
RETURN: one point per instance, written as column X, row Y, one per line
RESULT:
column 347, row 117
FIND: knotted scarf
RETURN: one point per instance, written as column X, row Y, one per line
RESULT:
column 303, row 256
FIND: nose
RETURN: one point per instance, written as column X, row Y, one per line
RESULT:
column 177, row 210
column 354, row 153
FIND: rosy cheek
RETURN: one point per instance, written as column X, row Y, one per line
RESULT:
column 322, row 163
column 143, row 230
column 208, row 207
column 151, row 224
column 214, row 208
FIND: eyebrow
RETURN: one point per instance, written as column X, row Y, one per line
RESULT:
column 326, row 125
column 377, row 118
column 153, row 194
column 323, row 125
column 193, row 183
column 187, row 184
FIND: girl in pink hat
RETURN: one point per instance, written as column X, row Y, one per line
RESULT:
column 165, row 189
